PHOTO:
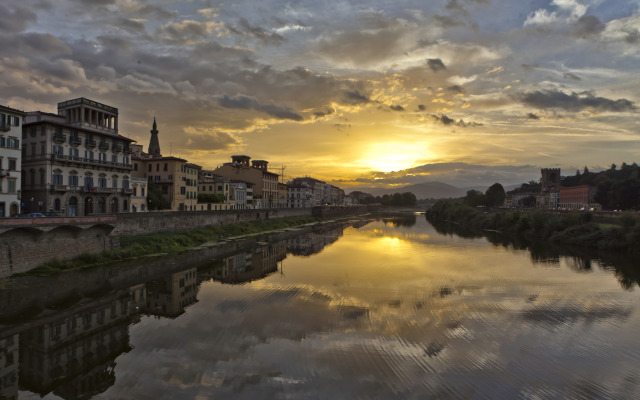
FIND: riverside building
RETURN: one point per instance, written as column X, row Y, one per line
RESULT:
column 10, row 160
column 75, row 162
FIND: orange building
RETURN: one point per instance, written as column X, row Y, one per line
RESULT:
column 577, row 198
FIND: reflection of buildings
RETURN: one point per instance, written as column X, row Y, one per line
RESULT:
column 314, row 242
column 249, row 266
column 169, row 296
column 72, row 352
column 9, row 367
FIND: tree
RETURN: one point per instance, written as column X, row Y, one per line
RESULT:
column 474, row 198
column 155, row 199
column 495, row 195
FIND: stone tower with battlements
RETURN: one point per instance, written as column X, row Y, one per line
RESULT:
column 550, row 178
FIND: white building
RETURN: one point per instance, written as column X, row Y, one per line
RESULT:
column 239, row 194
column 299, row 195
column 10, row 160
column 75, row 162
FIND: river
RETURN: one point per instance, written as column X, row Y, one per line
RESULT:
column 384, row 308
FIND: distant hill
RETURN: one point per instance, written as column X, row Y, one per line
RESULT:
column 436, row 190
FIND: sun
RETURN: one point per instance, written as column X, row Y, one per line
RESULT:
column 393, row 156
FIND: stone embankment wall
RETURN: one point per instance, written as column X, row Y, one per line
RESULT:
column 23, row 249
column 29, row 242
column 139, row 223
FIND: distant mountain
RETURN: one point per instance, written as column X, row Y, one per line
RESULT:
column 436, row 190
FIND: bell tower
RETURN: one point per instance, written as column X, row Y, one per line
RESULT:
column 154, row 144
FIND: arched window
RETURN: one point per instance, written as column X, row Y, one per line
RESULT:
column 114, row 206
column 101, row 205
column 56, row 204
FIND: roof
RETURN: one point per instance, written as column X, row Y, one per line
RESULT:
column 78, row 128
column 12, row 110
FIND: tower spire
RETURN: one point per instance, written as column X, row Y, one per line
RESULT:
column 154, row 143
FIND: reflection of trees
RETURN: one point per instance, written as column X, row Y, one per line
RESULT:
column 246, row 266
column 579, row 259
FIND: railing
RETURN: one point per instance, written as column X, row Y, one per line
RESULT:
column 59, row 137
column 5, row 127
column 103, row 146
column 128, row 149
column 127, row 191
column 116, row 148
column 75, row 140
column 90, row 143
column 62, row 157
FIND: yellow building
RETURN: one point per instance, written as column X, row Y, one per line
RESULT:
column 265, row 183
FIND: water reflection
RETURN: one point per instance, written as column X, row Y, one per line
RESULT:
column 626, row 268
column 385, row 308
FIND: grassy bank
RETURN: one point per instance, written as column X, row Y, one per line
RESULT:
column 575, row 229
column 165, row 243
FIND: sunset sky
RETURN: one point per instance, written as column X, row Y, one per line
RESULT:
column 361, row 94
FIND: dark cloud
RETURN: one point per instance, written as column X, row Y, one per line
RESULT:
column 574, row 101
column 421, row 107
column 633, row 37
column 36, row 44
column 569, row 75
column 454, row 5
column 447, row 21
column 342, row 127
column 321, row 114
column 450, row 121
column 456, row 89
column 436, row 64
column 532, row 116
column 251, row 103
column 184, row 31
column 15, row 18
column 355, row 97
column 530, row 66
column 204, row 140
column 396, row 108
column 131, row 26
column 587, row 25
column 244, row 28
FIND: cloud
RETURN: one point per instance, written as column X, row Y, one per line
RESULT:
column 251, row 103
column 208, row 139
column 355, row 97
column 588, row 25
column 322, row 114
column 449, row 121
column 15, row 18
column 244, row 28
column 421, row 107
column 569, row 75
column 532, row 116
column 188, row 30
column 568, row 11
column 396, row 108
column 574, row 101
column 436, row 64
column 456, row 89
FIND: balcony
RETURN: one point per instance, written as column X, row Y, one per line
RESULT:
column 59, row 137
column 127, row 191
column 5, row 127
column 116, row 148
column 128, row 150
column 59, row 188
column 75, row 140
column 105, row 190
column 90, row 143
column 103, row 146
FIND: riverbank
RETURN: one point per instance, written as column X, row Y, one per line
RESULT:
column 167, row 244
column 574, row 229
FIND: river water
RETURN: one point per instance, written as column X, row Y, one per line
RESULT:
column 387, row 308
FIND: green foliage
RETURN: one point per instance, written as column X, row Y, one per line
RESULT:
column 155, row 199
column 406, row 199
column 211, row 198
column 616, row 188
column 567, row 228
column 494, row 196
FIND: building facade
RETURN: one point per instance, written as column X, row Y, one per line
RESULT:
column 75, row 162
column 138, row 201
column 265, row 183
column 10, row 160
column 321, row 194
column 299, row 196
column 577, row 198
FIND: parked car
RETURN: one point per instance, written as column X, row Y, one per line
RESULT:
column 36, row 215
column 51, row 214
column 22, row 215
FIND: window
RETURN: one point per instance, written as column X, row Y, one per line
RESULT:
column 12, row 186
column 43, row 131
column 135, row 190
column 13, row 143
column 56, row 204
column 73, row 180
column 13, row 164
column 32, row 131
column 73, row 152
column 102, row 182
column 114, row 158
column 125, row 184
column 57, row 179
column 42, row 177
column 135, row 166
column 142, row 191
column 166, row 166
column 102, row 156
column 56, row 149
column 149, row 167
column 183, row 190
column 43, row 148
column 88, row 181
column 33, row 149
column 114, row 183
